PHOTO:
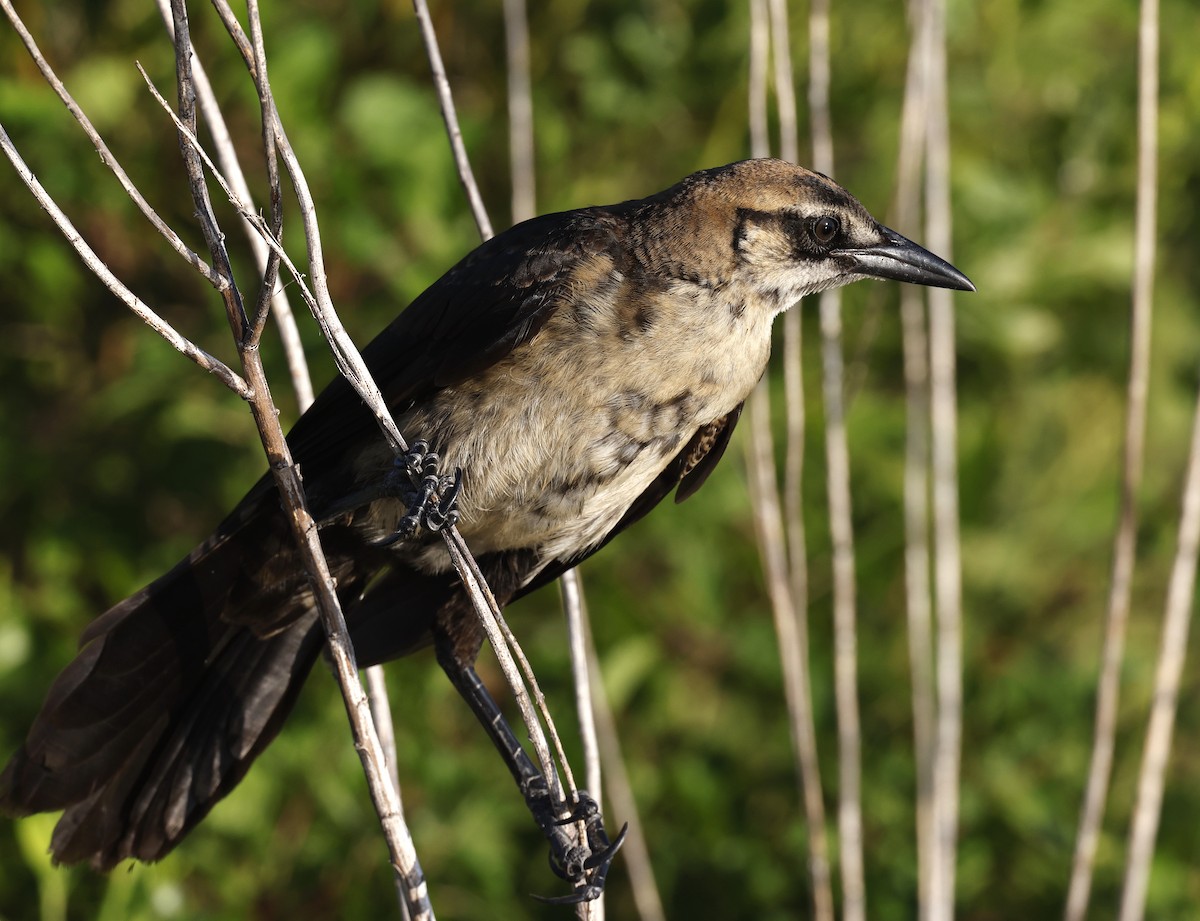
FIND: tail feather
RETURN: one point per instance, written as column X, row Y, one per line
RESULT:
column 174, row 693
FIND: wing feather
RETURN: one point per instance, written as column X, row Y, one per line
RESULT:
column 493, row 301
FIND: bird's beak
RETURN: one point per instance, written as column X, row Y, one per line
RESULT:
column 901, row 259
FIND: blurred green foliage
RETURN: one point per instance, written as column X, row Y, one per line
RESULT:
column 117, row 455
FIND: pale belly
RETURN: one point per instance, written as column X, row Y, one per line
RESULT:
column 556, row 444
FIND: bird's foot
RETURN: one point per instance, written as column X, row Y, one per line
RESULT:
column 580, row 851
column 432, row 496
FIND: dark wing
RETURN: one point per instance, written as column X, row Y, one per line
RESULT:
column 493, row 301
column 687, row 471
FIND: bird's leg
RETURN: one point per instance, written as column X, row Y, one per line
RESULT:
column 580, row 851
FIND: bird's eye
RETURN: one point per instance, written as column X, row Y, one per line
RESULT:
column 825, row 228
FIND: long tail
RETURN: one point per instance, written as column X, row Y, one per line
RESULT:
column 174, row 692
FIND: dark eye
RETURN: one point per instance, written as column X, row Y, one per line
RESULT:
column 825, row 228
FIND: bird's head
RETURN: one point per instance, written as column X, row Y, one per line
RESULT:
column 793, row 232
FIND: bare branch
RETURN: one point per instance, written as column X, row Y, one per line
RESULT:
column 106, row 156
column 212, row 365
column 231, row 167
column 576, row 611
column 492, row 620
column 636, row 852
column 785, row 92
column 782, row 552
column 450, row 116
column 571, row 586
column 403, row 854
column 1176, row 623
column 918, row 600
column 845, row 658
column 760, row 40
column 947, row 555
column 520, row 111
column 1125, row 540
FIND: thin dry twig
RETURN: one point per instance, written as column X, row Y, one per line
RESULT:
column 1125, row 539
column 231, row 167
column 499, row 634
column 403, row 854
column 760, row 43
column 106, row 156
column 289, row 333
column 947, row 555
column 785, row 92
column 783, row 549
column 293, row 347
column 620, row 789
column 1147, row 808
column 571, row 587
column 184, row 346
column 918, row 600
column 450, row 116
column 575, row 608
column 509, row 648
column 520, row 111
column 845, row 658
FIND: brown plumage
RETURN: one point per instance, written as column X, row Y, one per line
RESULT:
column 578, row 368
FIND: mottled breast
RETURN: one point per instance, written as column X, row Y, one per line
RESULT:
column 558, row 439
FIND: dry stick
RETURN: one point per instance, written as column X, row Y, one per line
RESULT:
column 381, row 715
column 450, row 116
column 760, row 42
column 787, row 590
column 106, row 156
column 785, row 92
column 231, row 166
column 571, row 587
column 576, row 612
column 845, row 659
column 473, row 581
column 508, row 641
column 377, row 694
column 637, row 854
column 403, row 854
column 768, row 527
column 1125, row 539
column 184, row 346
column 354, row 369
column 947, row 556
column 786, row 582
column 1176, row 622
column 212, row 365
column 793, row 638
column 275, row 295
column 918, row 601
column 1179, row 599
column 520, row 114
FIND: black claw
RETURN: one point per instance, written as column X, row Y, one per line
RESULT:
column 586, row 894
column 585, row 810
column 432, row 496
column 585, row 862
column 605, row 857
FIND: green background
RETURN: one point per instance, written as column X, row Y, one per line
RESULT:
column 116, row 455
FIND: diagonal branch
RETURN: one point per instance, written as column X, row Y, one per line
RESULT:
column 184, row 346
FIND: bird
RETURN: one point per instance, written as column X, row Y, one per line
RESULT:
column 574, row 371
